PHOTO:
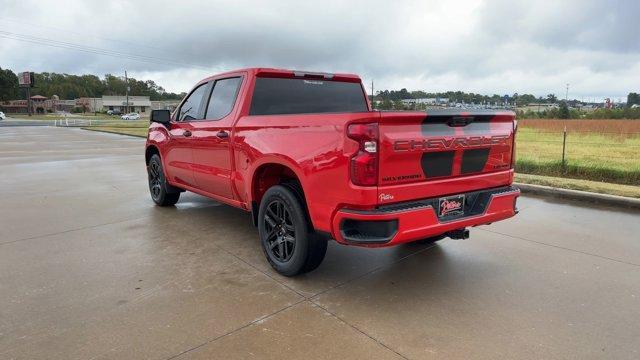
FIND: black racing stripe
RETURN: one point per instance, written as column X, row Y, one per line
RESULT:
column 474, row 128
column 437, row 129
column 474, row 160
column 439, row 125
column 444, row 119
column 436, row 164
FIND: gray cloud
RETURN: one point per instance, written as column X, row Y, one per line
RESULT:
column 594, row 25
column 473, row 45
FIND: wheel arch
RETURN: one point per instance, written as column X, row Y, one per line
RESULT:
column 269, row 174
column 150, row 151
column 154, row 150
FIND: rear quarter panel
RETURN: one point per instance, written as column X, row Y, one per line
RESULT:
column 314, row 146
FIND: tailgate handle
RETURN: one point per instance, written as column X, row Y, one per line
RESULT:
column 457, row 121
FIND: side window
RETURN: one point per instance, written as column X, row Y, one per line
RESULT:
column 223, row 97
column 190, row 110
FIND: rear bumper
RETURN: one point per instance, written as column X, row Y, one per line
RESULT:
column 409, row 221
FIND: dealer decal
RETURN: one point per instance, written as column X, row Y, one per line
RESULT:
column 452, row 205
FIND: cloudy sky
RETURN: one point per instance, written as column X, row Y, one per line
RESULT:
column 501, row 46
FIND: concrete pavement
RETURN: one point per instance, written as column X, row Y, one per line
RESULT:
column 89, row 268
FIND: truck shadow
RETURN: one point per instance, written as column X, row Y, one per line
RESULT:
column 231, row 230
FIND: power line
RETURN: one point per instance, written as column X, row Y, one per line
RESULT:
column 89, row 49
column 93, row 50
column 67, row 31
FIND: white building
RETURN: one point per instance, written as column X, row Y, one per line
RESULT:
column 426, row 101
column 138, row 104
column 165, row 105
column 538, row 107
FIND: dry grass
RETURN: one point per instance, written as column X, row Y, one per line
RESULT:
column 624, row 128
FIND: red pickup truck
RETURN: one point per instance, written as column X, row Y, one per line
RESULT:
column 309, row 158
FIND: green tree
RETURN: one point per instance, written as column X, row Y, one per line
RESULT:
column 74, row 86
column 9, row 89
column 633, row 98
column 526, row 99
column 386, row 105
column 563, row 111
column 551, row 98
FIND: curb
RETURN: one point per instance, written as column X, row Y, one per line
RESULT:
column 614, row 200
column 112, row 132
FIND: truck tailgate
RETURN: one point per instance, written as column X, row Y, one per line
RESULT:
column 443, row 152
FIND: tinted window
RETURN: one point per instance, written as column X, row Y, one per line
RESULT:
column 299, row 96
column 222, row 99
column 190, row 110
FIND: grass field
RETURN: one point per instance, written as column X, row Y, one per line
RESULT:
column 599, row 150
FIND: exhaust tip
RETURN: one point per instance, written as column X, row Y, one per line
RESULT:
column 459, row 234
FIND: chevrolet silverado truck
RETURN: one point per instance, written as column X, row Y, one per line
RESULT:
column 307, row 156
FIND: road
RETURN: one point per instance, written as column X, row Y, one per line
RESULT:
column 89, row 268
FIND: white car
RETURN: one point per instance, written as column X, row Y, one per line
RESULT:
column 2, row 116
column 130, row 116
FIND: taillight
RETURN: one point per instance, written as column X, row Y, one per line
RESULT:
column 364, row 164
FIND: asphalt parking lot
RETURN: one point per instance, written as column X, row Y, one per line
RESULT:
column 89, row 268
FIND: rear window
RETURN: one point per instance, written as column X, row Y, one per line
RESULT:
column 302, row 96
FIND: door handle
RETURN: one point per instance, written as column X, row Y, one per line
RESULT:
column 222, row 134
column 186, row 133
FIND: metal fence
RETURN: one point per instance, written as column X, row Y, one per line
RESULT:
column 602, row 148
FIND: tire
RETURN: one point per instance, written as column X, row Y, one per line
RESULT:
column 288, row 241
column 158, row 187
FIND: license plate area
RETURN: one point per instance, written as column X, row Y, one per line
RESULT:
column 451, row 206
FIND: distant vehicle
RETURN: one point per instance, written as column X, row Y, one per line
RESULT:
column 2, row 116
column 113, row 112
column 130, row 116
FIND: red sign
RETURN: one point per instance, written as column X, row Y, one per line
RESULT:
column 25, row 79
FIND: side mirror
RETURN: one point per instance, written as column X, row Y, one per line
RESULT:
column 161, row 117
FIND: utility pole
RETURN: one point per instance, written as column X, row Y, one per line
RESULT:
column 29, row 100
column 126, row 83
column 372, row 95
column 566, row 94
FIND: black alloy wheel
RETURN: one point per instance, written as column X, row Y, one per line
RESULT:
column 155, row 181
column 158, row 187
column 288, row 239
column 281, row 233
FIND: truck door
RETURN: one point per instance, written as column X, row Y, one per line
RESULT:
column 178, row 157
column 212, row 152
